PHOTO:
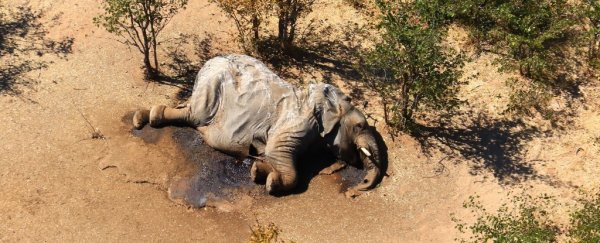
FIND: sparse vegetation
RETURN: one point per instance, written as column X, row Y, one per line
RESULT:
column 539, row 40
column 534, row 38
column 138, row 23
column 591, row 10
column 410, row 68
column 523, row 220
column 264, row 233
column 248, row 16
column 585, row 222
column 526, row 219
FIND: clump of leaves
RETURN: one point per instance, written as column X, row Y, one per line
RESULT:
column 523, row 220
column 138, row 23
column 264, row 233
column 585, row 222
column 410, row 67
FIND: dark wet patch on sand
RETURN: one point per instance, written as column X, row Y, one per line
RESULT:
column 349, row 177
column 147, row 133
column 212, row 178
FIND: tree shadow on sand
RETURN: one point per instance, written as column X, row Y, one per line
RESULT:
column 23, row 42
column 312, row 54
column 315, row 53
column 491, row 145
column 180, row 70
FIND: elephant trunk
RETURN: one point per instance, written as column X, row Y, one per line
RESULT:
column 372, row 162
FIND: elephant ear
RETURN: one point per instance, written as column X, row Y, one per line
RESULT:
column 335, row 104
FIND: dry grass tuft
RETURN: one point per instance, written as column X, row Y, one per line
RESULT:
column 264, row 233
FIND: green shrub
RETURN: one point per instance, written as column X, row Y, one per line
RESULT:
column 409, row 67
column 524, row 220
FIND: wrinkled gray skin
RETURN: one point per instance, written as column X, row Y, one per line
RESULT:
column 242, row 108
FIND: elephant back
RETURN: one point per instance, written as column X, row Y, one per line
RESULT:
column 241, row 98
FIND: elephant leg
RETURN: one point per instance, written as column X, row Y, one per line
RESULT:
column 282, row 177
column 161, row 115
column 275, row 181
column 282, row 150
column 259, row 171
column 141, row 118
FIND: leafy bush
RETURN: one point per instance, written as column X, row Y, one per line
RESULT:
column 409, row 67
column 250, row 16
column 524, row 220
column 139, row 22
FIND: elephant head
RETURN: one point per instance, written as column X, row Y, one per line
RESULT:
column 350, row 138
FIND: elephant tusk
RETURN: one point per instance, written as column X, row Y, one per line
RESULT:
column 365, row 151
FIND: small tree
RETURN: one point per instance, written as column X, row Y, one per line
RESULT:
column 410, row 67
column 250, row 15
column 139, row 22
column 288, row 12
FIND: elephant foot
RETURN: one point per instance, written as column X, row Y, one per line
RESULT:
column 278, row 183
column 141, row 118
column 273, row 184
column 257, row 176
column 157, row 115
column 260, row 170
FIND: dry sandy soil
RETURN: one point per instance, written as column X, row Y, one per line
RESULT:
column 58, row 184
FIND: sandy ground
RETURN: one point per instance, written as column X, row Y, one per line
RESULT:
column 58, row 184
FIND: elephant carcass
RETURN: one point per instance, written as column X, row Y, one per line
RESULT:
column 243, row 109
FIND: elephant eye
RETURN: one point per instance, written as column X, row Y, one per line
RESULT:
column 359, row 126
